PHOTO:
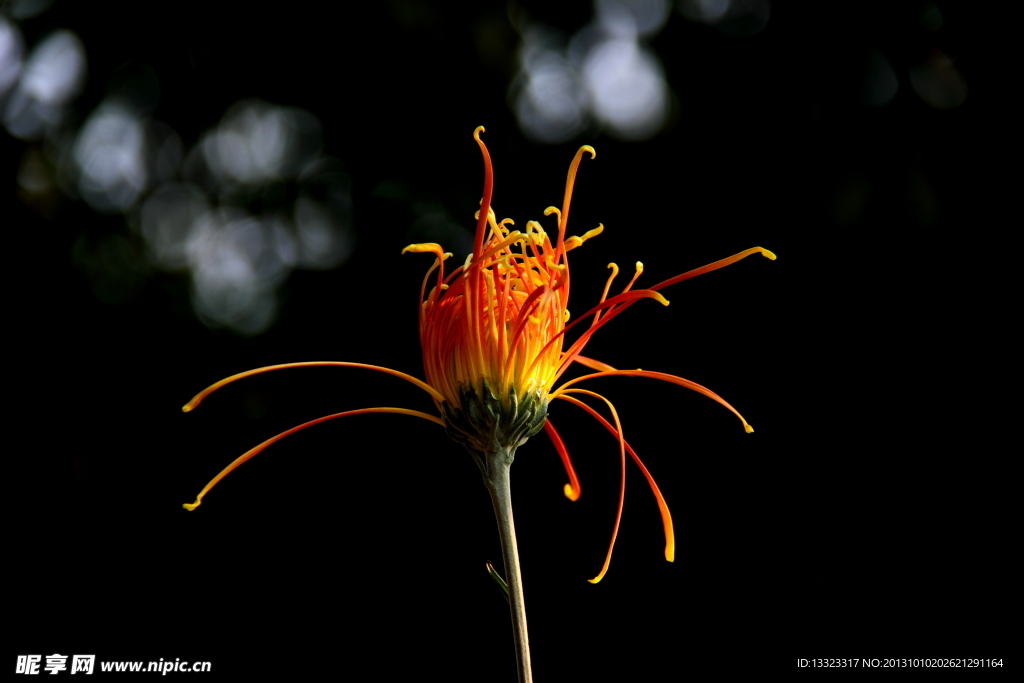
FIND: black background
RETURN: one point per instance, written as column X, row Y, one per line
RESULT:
column 868, row 516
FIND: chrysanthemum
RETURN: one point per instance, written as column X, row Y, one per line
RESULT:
column 493, row 334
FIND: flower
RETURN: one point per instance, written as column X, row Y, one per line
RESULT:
column 493, row 336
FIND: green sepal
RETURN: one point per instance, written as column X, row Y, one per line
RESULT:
column 483, row 421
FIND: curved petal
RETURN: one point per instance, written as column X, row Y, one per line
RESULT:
column 274, row 439
column 198, row 398
column 622, row 481
column 666, row 516
column 572, row 489
column 662, row 376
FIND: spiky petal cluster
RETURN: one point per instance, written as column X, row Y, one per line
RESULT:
column 493, row 338
column 492, row 330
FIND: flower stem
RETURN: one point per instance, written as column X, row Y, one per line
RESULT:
column 496, row 478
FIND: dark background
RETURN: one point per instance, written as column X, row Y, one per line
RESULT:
column 868, row 516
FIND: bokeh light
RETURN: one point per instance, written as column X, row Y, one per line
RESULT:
column 12, row 48
column 238, row 248
column 52, row 75
column 627, row 88
column 734, row 17
column 257, row 142
column 633, row 17
column 604, row 74
column 110, row 154
column 167, row 218
column 251, row 200
column 551, row 103
column 26, row 9
column 236, row 262
column 880, row 81
column 938, row 82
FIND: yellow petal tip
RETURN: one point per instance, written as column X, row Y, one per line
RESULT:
column 750, row 430
column 767, row 254
column 191, row 506
column 187, row 408
column 571, row 493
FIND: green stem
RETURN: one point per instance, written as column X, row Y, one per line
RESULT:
column 496, row 478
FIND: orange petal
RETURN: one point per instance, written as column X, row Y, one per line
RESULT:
column 253, row 451
column 572, row 489
column 666, row 516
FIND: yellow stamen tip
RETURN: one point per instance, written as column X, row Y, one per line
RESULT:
column 670, row 553
column 588, row 148
column 596, row 579
column 476, row 133
column 187, row 407
column 767, row 254
column 424, row 247
column 750, row 430
column 571, row 493
column 191, row 506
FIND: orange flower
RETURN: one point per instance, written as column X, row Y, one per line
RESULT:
column 493, row 337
